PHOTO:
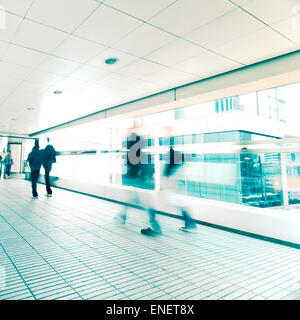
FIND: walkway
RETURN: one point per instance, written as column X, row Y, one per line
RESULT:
column 70, row 247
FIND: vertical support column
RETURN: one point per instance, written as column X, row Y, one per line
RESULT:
column 284, row 184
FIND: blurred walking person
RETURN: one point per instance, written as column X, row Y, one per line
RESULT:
column 170, row 190
column 8, row 162
column 136, row 175
column 35, row 159
column 171, row 187
column 49, row 157
column 2, row 156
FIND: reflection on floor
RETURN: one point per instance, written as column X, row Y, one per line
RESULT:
column 70, row 247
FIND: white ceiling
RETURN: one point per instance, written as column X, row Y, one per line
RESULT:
column 48, row 45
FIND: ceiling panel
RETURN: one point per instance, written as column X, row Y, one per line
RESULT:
column 240, row 2
column 68, row 83
column 224, row 29
column 4, row 127
column 19, row 7
column 141, row 67
column 28, row 90
column 175, row 52
column 3, row 47
column 170, row 77
column 72, row 105
column 39, row 37
column 6, row 91
column 102, row 90
column 117, row 81
column 78, row 49
column 289, row 28
column 107, row 26
column 26, row 101
column 27, row 117
column 14, row 71
column 9, row 27
column 271, row 11
column 160, row 44
column 7, row 82
column 124, row 59
column 88, row 73
column 11, row 110
column 245, row 49
column 43, row 78
column 185, row 16
column 144, row 40
column 48, row 98
column 142, row 9
column 207, row 64
column 23, row 56
column 58, row 65
column 147, row 86
column 3, row 96
column 61, row 14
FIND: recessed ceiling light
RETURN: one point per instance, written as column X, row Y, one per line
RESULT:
column 111, row 60
column 57, row 92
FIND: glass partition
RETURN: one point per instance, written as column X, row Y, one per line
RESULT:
column 293, row 177
column 252, row 179
column 237, row 149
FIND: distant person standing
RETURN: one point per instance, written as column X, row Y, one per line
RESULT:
column 48, row 159
column 35, row 159
column 0, row 165
column 8, row 162
column 2, row 156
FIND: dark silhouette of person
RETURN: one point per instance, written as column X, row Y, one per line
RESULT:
column 49, row 158
column 0, row 165
column 35, row 159
column 8, row 162
column 136, row 175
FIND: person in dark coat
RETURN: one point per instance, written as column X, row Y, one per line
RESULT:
column 48, row 159
column 137, row 173
column 0, row 165
column 8, row 162
column 35, row 159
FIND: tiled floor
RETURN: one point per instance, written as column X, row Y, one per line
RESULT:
column 70, row 247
